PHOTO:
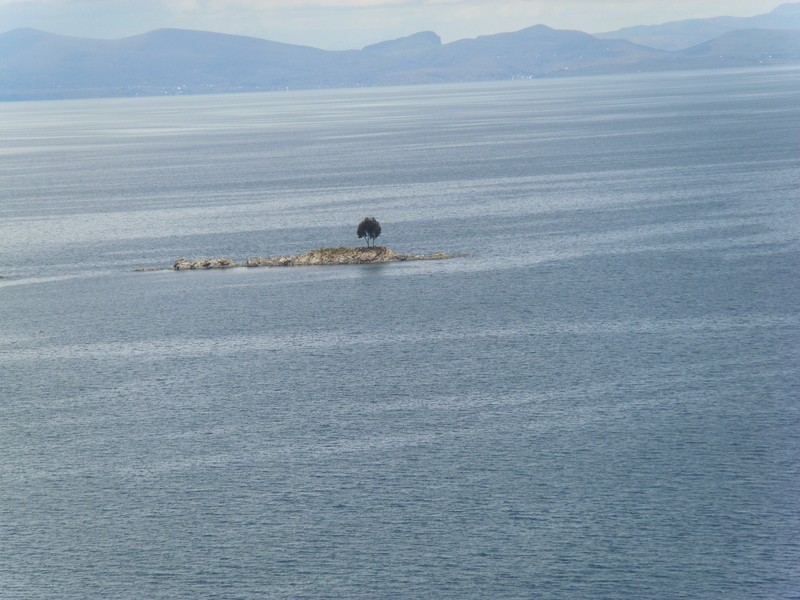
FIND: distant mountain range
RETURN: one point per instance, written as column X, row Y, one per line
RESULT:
column 680, row 35
column 39, row 65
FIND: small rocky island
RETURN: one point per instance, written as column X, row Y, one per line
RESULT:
column 320, row 256
column 369, row 229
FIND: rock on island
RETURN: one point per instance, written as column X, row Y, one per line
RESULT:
column 320, row 256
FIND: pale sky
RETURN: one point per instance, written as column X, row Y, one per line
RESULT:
column 351, row 24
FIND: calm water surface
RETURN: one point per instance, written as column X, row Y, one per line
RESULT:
column 599, row 400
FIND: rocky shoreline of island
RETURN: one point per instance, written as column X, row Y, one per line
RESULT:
column 317, row 257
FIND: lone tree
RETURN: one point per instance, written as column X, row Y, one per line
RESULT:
column 369, row 228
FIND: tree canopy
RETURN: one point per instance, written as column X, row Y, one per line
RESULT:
column 369, row 228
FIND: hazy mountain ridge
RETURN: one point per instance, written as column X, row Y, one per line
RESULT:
column 39, row 65
column 681, row 35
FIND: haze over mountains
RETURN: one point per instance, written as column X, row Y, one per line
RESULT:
column 679, row 35
column 39, row 65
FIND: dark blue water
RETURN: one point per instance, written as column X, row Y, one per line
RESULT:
column 599, row 400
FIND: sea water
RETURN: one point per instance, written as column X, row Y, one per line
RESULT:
column 597, row 399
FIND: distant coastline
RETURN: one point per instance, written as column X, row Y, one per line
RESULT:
column 37, row 65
